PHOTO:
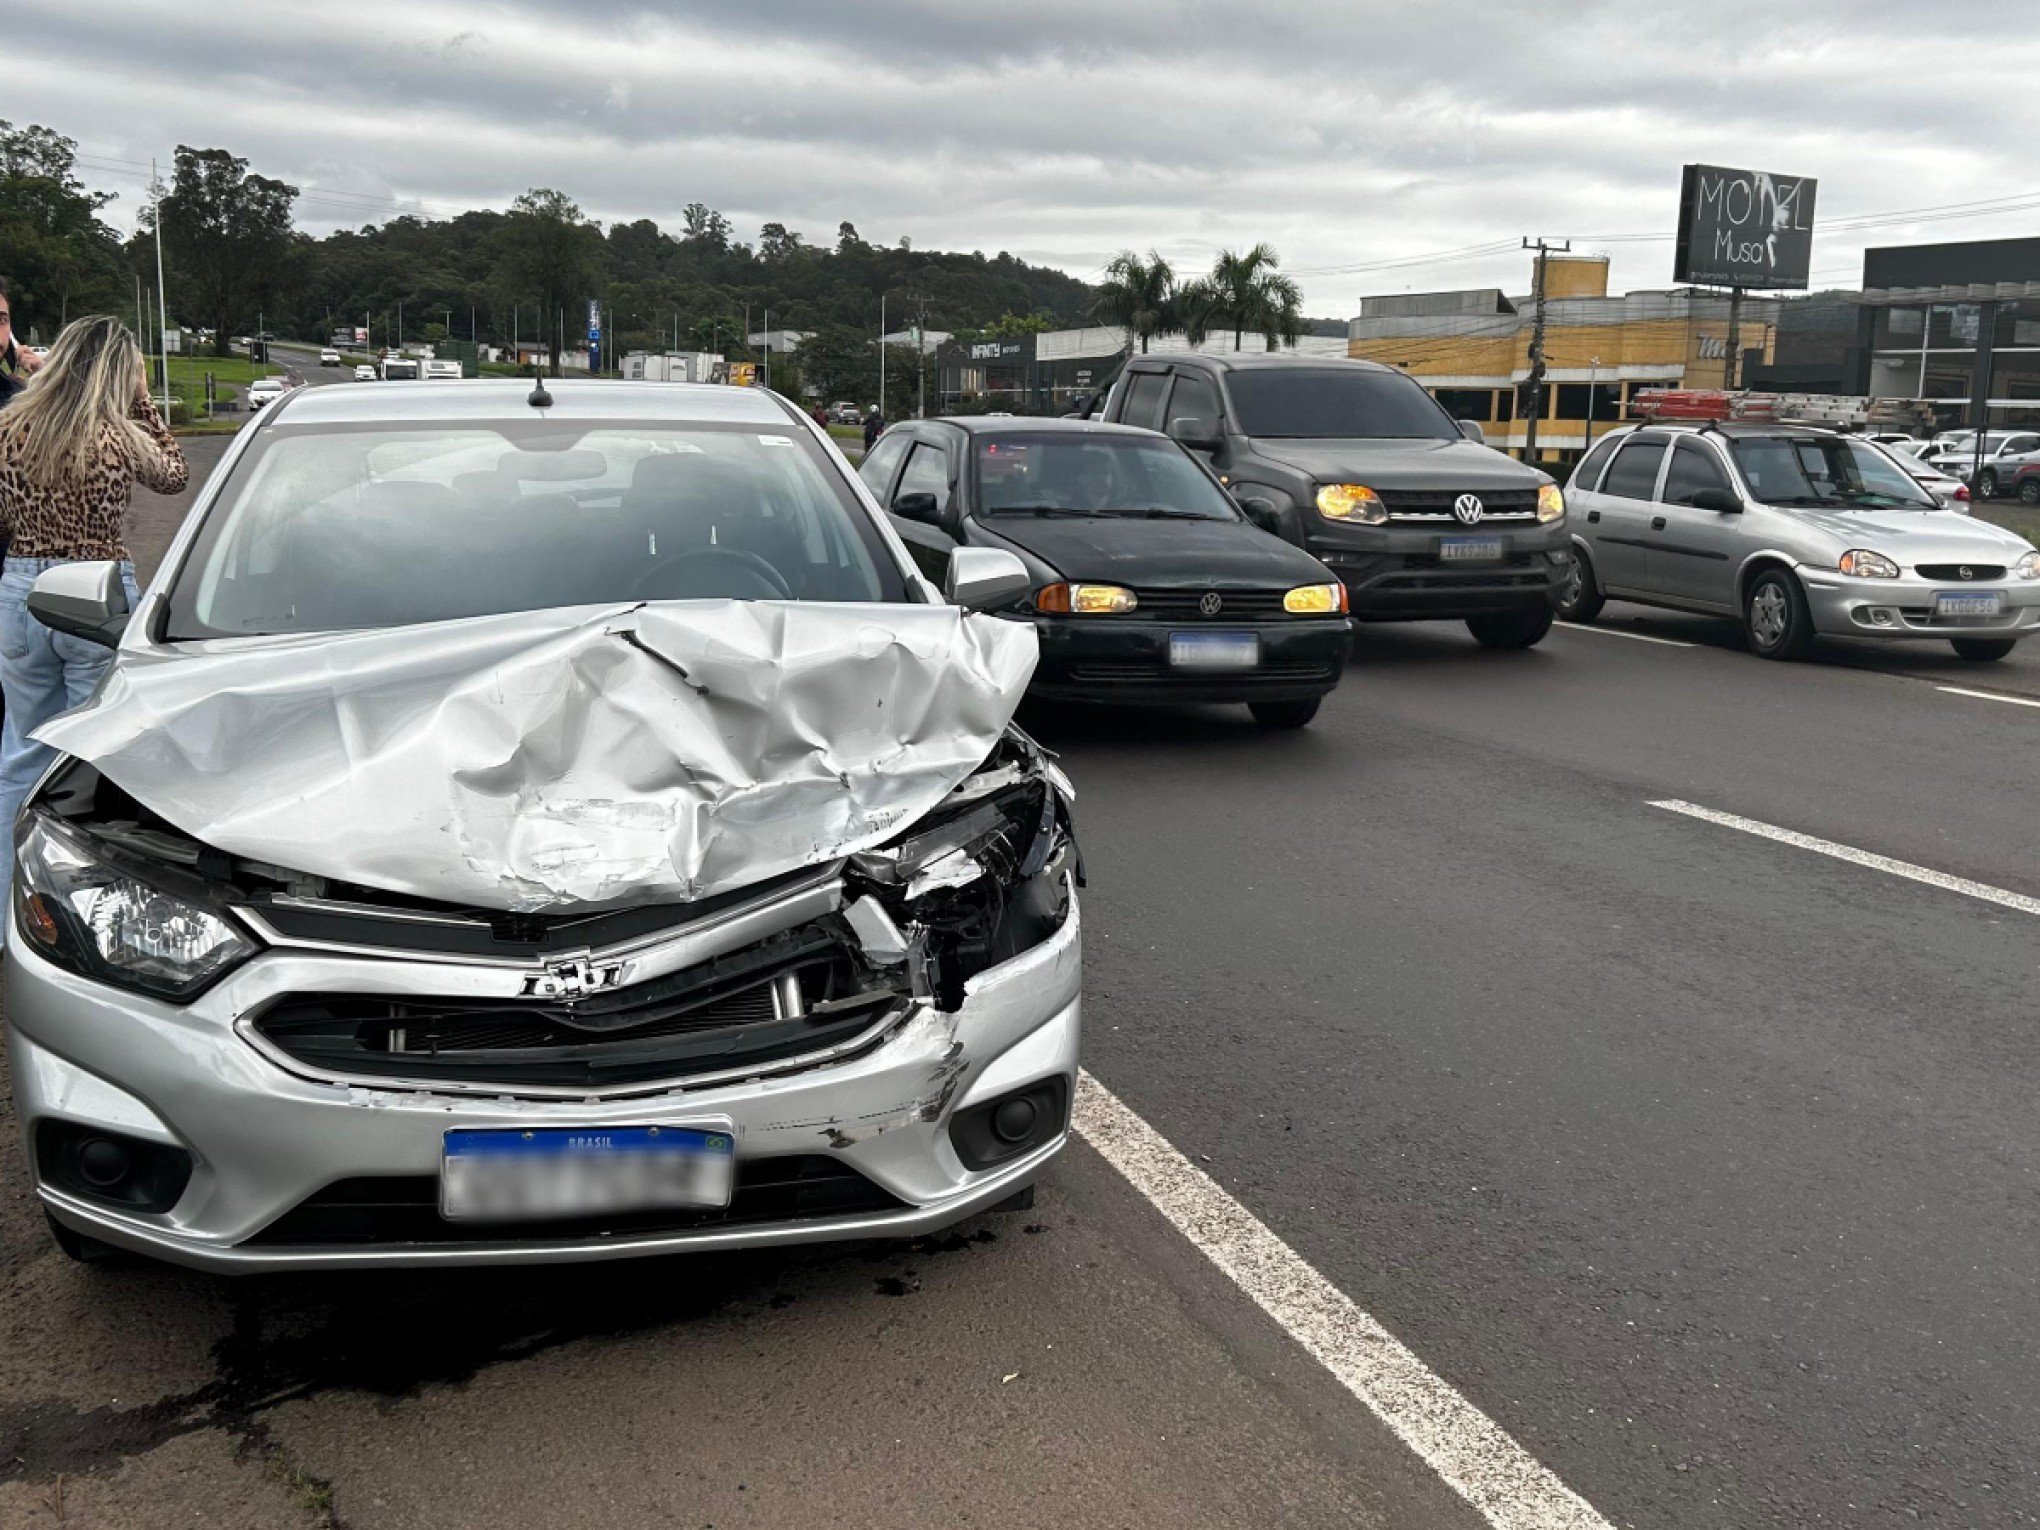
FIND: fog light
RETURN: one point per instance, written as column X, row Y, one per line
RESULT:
column 102, row 1164
column 1014, row 1120
column 989, row 1134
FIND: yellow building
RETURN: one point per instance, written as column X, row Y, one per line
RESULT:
column 1472, row 350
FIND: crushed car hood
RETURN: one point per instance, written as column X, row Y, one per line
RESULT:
column 567, row 758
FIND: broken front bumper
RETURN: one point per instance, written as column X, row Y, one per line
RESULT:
column 869, row 1131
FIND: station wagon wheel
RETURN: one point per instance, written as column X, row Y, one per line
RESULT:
column 1775, row 617
column 2029, row 492
column 1987, row 485
column 1581, row 600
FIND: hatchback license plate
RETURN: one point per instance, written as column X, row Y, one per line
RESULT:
column 1968, row 603
column 1470, row 549
column 490, row 1175
column 1214, row 650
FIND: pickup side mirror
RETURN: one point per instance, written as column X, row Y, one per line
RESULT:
column 1264, row 513
column 1196, row 432
column 985, row 579
column 86, row 600
column 1716, row 499
column 1472, row 431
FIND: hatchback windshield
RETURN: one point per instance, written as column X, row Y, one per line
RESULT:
column 1096, row 475
column 1336, row 403
column 382, row 526
column 1826, row 470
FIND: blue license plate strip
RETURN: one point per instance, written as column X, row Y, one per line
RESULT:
column 489, row 1173
column 1214, row 650
column 1968, row 603
column 1469, row 549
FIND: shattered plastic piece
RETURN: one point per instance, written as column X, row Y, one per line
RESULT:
column 883, row 943
column 956, row 869
column 567, row 758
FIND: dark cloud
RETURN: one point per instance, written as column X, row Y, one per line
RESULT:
column 1062, row 130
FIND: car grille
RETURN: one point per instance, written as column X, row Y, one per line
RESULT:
column 1964, row 572
column 754, row 1006
column 1426, row 506
column 1187, row 605
column 404, row 1209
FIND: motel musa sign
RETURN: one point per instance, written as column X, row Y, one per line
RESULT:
column 1744, row 228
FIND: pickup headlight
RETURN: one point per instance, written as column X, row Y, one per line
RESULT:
column 1861, row 563
column 84, row 909
column 1085, row 599
column 2027, row 567
column 1550, row 503
column 1316, row 600
column 1354, row 503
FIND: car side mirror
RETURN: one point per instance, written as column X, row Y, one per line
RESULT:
column 1472, row 431
column 1196, row 432
column 923, row 507
column 1264, row 513
column 86, row 600
column 986, row 579
column 1716, row 499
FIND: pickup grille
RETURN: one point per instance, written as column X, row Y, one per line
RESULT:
column 1427, row 506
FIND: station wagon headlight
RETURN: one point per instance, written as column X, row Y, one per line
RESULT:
column 1861, row 563
column 1550, row 502
column 1351, row 502
column 2027, row 567
column 1085, row 599
column 1316, row 600
column 84, row 912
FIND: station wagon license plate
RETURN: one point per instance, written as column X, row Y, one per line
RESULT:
column 1214, row 650
column 492, row 1175
column 1470, row 549
column 1968, row 603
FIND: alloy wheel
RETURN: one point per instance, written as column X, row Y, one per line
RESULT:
column 1768, row 615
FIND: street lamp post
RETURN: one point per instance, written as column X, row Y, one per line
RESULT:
column 1593, row 382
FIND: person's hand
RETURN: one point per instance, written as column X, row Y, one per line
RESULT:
column 27, row 360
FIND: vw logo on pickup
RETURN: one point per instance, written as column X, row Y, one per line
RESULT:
column 1468, row 508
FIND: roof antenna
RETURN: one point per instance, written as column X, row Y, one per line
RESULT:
column 540, row 399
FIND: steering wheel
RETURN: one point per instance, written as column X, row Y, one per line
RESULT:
column 708, row 573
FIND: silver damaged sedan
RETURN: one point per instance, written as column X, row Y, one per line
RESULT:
column 1795, row 532
column 527, row 824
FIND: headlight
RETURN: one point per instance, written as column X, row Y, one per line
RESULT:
column 1864, row 564
column 2027, row 567
column 82, row 911
column 1351, row 502
column 1085, row 599
column 1550, row 502
column 1316, row 600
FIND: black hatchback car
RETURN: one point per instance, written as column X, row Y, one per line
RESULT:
column 1150, row 585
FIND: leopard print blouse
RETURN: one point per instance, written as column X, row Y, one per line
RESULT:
column 83, row 520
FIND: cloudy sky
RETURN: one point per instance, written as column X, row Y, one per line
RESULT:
column 1379, row 147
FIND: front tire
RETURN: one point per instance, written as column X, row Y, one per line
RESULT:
column 2029, row 492
column 1983, row 649
column 1775, row 617
column 1511, row 629
column 1284, row 714
column 1987, row 484
column 1582, row 600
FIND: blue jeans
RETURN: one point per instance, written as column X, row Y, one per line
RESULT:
column 42, row 672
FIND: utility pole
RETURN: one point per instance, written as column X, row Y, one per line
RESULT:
column 162, row 298
column 1537, row 345
column 1731, row 371
column 1593, row 386
column 881, row 355
column 921, row 361
column 768, row 349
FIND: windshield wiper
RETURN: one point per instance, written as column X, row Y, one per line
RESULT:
column 1162, row 513
column 1046, row 510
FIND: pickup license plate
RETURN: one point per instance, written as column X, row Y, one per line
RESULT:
column 1968, row 603
column 572, row 1171
column 1470, row 549
column 1214, row 650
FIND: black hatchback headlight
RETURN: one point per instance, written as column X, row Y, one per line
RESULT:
column 88, row 908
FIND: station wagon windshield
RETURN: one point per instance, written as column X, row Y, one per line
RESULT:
column 1335, row 404
column 1827, row 470
column 1096, row 475
column 335, row 527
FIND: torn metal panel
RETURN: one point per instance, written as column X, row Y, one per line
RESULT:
column 559, row 759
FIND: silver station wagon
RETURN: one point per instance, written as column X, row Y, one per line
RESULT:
column 1796, row 532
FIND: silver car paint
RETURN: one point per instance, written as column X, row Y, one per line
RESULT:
column 1700, row 560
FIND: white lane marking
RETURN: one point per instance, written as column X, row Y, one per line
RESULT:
column 1469, row 1450
column 1636, row 637
column 2017, row 701
column 1982, row 891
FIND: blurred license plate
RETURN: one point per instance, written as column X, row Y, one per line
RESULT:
column 1214, row 650
column 582, row 1171
column 1470, row 549
column 1968, row 603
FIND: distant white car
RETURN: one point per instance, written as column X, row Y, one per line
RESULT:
column 442, row 371
column 329, row 357
column 266, row 390
column 364, row 374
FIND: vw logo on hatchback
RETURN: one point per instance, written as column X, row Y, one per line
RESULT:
column 1210, row 604
column 1468, row 508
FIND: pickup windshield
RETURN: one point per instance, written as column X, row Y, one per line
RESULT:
column 1336, row 403
column 1828, row 470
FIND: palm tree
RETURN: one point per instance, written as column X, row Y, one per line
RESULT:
column 1138, row 296
column 1244, row 292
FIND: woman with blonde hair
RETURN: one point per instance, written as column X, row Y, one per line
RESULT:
column 73, row 444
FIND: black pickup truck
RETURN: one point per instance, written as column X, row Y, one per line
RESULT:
column 1359, row 466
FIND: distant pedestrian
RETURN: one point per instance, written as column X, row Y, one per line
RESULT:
column 874, row 425
column 18, row 361
column 72, row 448
column 820, row 416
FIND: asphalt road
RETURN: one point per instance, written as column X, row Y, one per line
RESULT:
column 1700, row 1162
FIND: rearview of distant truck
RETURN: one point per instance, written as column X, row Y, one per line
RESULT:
column 400, row 369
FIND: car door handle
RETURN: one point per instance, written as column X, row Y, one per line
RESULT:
column 1593, row 516
column 1657, row 523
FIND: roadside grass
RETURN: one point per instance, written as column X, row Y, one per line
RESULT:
column 2024, row 520
column 231, row 376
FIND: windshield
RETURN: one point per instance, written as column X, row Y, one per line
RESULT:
column 1336, row 403
column 1826, row 470
column 1084, row 474
column 333, row 527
